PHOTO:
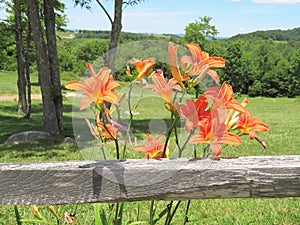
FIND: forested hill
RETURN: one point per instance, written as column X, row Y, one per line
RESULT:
column 104, row 34
column 277, row 35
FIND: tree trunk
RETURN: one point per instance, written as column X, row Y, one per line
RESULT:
column 50, row 122
column 27, row 69
column 116, row 28
column 22, row 102
column 53, row 60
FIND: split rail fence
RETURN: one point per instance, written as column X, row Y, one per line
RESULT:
column 135, row 180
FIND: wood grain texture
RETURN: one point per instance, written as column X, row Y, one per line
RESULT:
column 134, row 180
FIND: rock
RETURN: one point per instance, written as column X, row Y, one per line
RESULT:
column 69, row 140
column 27, row 136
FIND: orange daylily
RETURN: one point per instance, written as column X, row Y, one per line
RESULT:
column 214, row 133
column 143, row 66
column 200, row 61
column 153, row 148
column 233, row 116
column 163, row 87
column 107, row 131
column 248, row 125
column 110, row 129
column 223, row 98
column 98, row 88
column 173, row 63
column 193, row 112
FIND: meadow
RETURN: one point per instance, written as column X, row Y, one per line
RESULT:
column 281, row 114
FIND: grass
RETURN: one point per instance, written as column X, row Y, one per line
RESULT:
column 11, row 78
column 10, row 85
column 281, row 114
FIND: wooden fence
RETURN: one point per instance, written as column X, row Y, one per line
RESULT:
column 135, row 180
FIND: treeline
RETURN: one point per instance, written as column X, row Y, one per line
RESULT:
column 258, row 67
column 276, row 35
column 124, row 36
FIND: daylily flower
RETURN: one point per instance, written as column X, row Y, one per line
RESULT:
column 153, row 148
column 233, row 116
column 223, row 98
column 173, row 63
column 163, row 87
column 215, row 134
column 98, row 88
column 110, row 129
column 193, row 112
column 142, row 66
column 68, row 218
column 248, row 125
column 200, row 61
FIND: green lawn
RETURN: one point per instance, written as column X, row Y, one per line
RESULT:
column 9, row 81
column 281, row 114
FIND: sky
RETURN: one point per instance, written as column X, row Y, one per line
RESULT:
column 230, row 17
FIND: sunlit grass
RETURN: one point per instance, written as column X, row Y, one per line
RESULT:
column 281, row 114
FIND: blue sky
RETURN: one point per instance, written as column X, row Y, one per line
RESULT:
column 171, row 16
column 166, row 16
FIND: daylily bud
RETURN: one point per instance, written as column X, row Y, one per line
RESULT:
column 36, row 211
column 128, row 73
column 51, row 208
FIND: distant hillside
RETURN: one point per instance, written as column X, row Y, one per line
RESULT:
column 104, row 34
column 277, row 35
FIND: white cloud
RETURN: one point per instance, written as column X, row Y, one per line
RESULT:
column 277, row 1
column 235, row 0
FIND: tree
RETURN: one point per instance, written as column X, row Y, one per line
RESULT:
column 49, row 18
column 116, row 25
column 199, row 31
column 17, row 22
column 233, row 71
column 22, row 102
column 51, row 93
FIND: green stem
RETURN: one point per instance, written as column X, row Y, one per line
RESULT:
column 206, row 151
column 186, row 218
column 17, row 215
column 169, row 207
column 117, row 148
column 195, row 151
column 115, row 139
column 131, row 114
column 117, row 213
column 173, row 124
column 130, row 120
column 185, row 143
column 151, row 212
column 129, row 102
column 173, row 213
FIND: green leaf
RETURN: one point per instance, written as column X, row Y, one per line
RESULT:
column 36, row 221
column 17, row 215
column 97, row 215
column 103, row 218
column 138, row 222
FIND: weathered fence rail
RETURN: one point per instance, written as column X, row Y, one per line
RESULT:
column 134, row 180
